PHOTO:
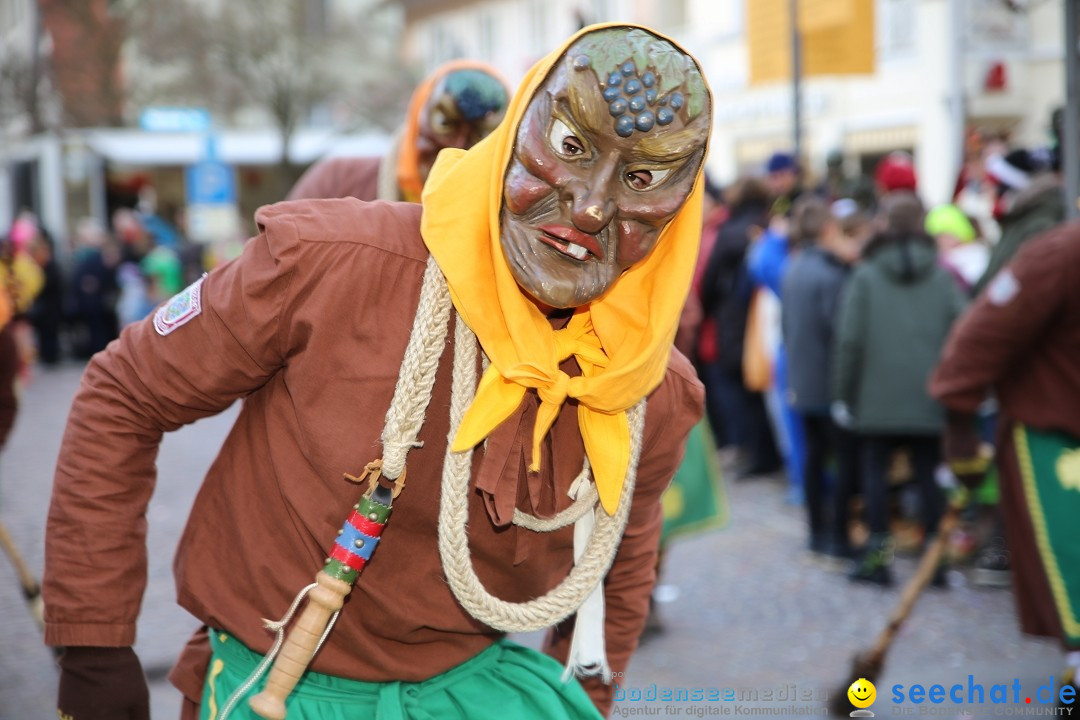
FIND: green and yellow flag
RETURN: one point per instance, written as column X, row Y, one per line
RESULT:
column 1050, row 469
column 696, row 500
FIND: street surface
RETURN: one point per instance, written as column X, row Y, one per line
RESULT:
column 747, row 613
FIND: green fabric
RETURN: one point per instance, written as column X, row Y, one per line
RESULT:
column 164, row 266
column 895, row 317
column 504, row 682
column 1050, row 470
column 989, row 491
column 695, row 501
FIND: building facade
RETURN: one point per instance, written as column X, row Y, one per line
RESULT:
column 101, row 63
column 939, row 68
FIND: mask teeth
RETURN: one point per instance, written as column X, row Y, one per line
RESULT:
column 576, row 251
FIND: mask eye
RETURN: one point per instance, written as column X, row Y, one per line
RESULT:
column 440, row 123
column 563, row 140
column 646, row 179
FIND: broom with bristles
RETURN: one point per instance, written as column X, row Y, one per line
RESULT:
column 31, row 589
column 869, row 664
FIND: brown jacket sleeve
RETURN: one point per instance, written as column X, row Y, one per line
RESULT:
column 672, row 411
column 339, row 178
column 141, row 386
column 1012, row 311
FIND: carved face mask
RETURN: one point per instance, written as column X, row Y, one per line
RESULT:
column 606, row 154
column 463, row 108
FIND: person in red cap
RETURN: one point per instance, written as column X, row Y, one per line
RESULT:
column 894, row 173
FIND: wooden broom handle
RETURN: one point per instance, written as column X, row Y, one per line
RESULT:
column 300, row 646
column 26, row 578
column 923, row 574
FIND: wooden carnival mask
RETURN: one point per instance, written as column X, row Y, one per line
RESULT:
column 464, row 107
column 605, row 156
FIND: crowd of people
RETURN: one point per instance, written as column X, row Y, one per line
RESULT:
column 818, row 316
column 111, row 277
column 891, row 359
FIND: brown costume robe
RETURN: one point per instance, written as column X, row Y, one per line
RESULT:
column 309, row 327
column 363, row 178
column 339, row 178
column 1022, row 338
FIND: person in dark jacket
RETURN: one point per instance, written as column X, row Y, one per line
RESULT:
column 810, row 295
column 47, row 311
column 725, row 290
column 1031, row 202
column 93, row 289
column 896, row 315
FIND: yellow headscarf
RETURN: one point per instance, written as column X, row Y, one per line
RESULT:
column 621, row 341
column 408, row 169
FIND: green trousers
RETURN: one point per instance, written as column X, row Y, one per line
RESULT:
column 504, row 682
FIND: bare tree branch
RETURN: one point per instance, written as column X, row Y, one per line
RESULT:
column 249, row 53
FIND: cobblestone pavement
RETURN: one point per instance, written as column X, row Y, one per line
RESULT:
column 28, row 674
column 747, row 609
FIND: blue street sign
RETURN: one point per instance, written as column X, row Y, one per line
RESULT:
column 210, row 183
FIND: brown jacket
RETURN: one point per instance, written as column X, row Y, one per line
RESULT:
column 1022, row 338
column 309, row 327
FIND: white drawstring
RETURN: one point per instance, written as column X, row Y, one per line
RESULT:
column 278, row 626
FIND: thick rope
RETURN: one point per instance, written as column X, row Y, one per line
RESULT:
column 564, row 599
column 404, row 419
column 584, row 502
column 417, row 376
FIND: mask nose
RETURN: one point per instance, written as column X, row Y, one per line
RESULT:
column 591, row 204
column 462, row 138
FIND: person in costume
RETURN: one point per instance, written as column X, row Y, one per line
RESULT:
column 1021, row 339
column 564, row 243
column 455, row 107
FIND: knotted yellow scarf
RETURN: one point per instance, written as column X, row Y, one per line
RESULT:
column 621, row 341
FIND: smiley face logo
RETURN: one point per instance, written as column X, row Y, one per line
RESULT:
column 862, row 693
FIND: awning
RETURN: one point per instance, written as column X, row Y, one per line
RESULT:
column 129, row 146
column 881, row 140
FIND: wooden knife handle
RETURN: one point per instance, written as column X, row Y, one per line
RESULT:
column 300, row 645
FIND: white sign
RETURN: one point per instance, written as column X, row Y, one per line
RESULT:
column 212, row 223
column 174, row 119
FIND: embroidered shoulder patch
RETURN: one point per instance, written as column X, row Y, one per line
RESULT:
column 183, row 307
